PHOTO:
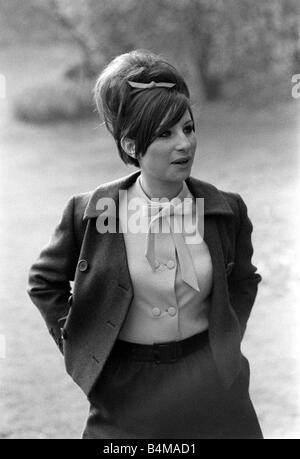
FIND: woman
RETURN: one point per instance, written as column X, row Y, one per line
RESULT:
column 152, row 329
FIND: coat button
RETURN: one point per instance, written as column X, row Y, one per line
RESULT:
column 156, row 312
column 171, row 264
column 83, row 265
column 172, row 311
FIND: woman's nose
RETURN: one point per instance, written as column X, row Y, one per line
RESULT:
column 182, row 141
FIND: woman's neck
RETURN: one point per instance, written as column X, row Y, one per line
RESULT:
column 158, row 190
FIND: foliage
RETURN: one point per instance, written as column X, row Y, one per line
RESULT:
column 241, row 50
column 27, row 21
column 54, row 102
column 218, row 40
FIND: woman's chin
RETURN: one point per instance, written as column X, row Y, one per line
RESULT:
column 183, row 173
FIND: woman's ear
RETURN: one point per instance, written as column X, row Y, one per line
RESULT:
column 128, row 146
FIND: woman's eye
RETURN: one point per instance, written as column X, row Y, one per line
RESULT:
column 189, row 129
column 165, row 134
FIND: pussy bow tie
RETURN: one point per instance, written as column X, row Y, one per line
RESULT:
column 184, row 257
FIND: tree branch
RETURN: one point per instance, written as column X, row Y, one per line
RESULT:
column 79, row 38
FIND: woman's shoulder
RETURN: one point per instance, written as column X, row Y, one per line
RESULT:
column 87, row 203
column 216, row 200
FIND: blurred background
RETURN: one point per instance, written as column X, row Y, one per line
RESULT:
column 239, row 57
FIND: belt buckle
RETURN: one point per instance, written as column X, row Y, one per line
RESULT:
column 165, row 352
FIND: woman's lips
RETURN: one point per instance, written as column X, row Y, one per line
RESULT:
column 181, row 162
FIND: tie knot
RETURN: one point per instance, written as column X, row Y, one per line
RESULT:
column 165, row 209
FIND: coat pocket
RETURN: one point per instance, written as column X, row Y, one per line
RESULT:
column 63, row 322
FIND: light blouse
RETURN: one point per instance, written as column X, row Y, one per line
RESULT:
column 164, row 307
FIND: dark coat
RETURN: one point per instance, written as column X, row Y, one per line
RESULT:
column 86, row 322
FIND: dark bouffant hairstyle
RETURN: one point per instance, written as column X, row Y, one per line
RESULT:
column 140, row 114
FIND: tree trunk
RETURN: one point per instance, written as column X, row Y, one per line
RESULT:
column 212, row 84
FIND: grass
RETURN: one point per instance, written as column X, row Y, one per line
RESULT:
column 254, row 153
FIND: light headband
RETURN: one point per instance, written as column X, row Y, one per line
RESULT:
column 151, row 85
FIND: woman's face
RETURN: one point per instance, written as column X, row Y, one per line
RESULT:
column 169, row 158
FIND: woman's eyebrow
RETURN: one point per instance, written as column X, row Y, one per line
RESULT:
column 161, row 127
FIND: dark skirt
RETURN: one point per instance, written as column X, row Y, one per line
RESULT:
column 183, row 399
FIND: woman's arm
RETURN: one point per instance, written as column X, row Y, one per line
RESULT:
column 50, row 276
column 243, row 280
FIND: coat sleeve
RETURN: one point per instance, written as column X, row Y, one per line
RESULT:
column 243, row 280
column 50, row 276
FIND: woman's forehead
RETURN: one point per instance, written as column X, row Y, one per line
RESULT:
column 186, row 116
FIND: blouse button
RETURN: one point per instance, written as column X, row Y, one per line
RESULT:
column 171, row 264
column 156, row 312
column 172, row 311
column 83, row 265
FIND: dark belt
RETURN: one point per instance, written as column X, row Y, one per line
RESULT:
column 160, row 352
